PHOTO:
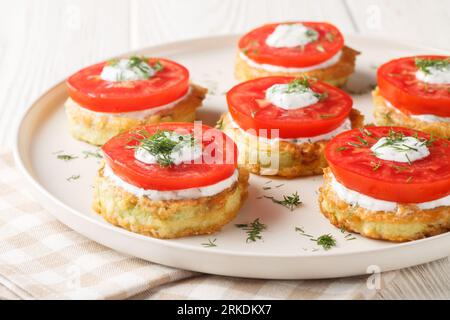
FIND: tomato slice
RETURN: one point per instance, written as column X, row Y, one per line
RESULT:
column 219, row 159
column 398, row 84
column 248, row 107
column 354, row 165
column 330, row 41
column 90, row 91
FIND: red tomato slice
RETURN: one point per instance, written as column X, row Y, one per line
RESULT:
column 330, row 41
column 398, row 84
column 354, row 165
column 215, row 165
column 90, row 91
column 250, row 110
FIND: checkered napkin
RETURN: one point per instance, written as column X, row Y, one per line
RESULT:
column 40, row 258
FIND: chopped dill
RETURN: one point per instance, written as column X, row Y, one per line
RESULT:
column 291, row 202
column 302, row 232
column 161, row 145
column 253, row 230
column 73, row 178
column 66, row 157
column 425, row 64
column 210, row 243
column 326, row 241
column 92, row 154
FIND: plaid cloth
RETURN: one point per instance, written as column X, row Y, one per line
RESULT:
column 40, row 258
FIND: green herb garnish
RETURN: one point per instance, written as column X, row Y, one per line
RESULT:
column 291, row 202
column 302, row 85
column 73, row 178
column 92, row 154
column 376, row 166
column 141, row 63
column 157, row 66
column 425, row 64
column 429, row 142
column 363, row 141
column 253, row 230
column 366, row 132
column 395, row 140
column 302, row 232
column 329, row 36
column 341, row 148
column 161, row 145
column 320, row 48
column 349, row 237
column 210, row 243
column 112, row 62
column 321, row 96
column 66, row 157
column 312, row 34
column 298, row 85
column 355, row 145
column 399, row 168
column 327, row 241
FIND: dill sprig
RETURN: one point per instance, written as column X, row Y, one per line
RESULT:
column 425, row 64
column 73, row 177
column 395, row 140
column 326, row 241
column 428, row 142
column 210, row 243
column 92, row 154
column 158, row 66
column 302, row 232
column 160, row 145
column 253, row 230
column 312, row 34
column 66, row 157
column 291, row 202
column 302, row 85
column 376, row 165
column 298, row 85
column 320, row 48
column 365, row 132
column 140, row 63
column 329, row 36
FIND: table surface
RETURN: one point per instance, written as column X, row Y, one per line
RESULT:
column 41, row 42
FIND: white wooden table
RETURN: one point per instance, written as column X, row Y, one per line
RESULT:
column 41, row 42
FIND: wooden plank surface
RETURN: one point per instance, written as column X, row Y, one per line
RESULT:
column 41, row 42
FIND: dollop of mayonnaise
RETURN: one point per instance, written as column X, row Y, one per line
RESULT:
column 186, row 150
column 283, row 96
column 405, row 149
column 291, row 35
column 434, row 75
column 125, row 70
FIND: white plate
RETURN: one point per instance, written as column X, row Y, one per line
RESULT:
column 282, row 253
